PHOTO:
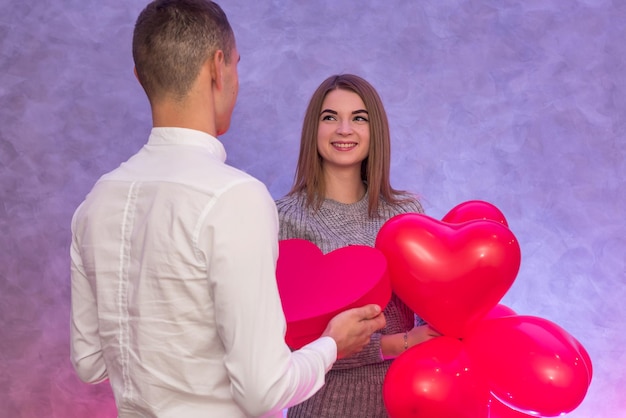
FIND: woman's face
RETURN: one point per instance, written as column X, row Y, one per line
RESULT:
column 343, row 136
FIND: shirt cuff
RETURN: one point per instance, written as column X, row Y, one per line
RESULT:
column 327, row 348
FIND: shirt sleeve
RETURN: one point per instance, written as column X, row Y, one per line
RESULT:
column 265, row 375
column 85, row 349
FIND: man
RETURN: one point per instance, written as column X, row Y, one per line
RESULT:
column 174, row 298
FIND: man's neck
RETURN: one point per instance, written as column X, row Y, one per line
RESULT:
column 196, row 110
column 187, row 114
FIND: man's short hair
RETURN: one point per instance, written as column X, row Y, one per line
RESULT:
column 171, row 41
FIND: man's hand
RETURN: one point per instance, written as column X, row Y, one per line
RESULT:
column 353, row 328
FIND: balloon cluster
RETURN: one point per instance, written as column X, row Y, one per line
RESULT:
column 490, row 362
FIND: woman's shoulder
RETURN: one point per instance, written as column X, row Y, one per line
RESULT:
column 413, row 204
column 290, row 203
column 406, row 203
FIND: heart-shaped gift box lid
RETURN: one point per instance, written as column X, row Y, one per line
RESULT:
column 314, row 287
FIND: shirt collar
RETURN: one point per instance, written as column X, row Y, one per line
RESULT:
column 185, row 136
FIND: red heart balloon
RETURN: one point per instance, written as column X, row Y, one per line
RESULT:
column 497, row 311
column 531, row 364
column 474, row 210
column 499, row 410
column 435, row 379
column 451, row 275
column 315, row 287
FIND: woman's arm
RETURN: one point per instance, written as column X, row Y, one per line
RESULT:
column 393, row 345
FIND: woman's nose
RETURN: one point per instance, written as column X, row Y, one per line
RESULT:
column 344, row 127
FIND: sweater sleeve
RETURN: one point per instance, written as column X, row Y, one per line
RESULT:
column 369, row 355
column 399, row 318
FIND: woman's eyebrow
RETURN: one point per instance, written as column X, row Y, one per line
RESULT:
column 334, row 112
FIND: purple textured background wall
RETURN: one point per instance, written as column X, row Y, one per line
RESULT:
column 520, row 103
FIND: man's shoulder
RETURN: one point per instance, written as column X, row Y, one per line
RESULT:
column 197, row 171
column 229, row 176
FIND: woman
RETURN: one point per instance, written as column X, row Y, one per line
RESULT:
column 342, row 196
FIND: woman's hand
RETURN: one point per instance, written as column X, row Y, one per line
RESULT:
column 392, row 345
column 422, row 333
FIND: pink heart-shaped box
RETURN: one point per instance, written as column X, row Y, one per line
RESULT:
column 315, row 287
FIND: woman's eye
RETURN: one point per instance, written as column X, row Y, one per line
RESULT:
column 328, row 117
column 360, row 118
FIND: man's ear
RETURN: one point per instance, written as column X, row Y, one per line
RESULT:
column 217, row 68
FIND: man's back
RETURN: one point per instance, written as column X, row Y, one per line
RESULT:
column 146, row 240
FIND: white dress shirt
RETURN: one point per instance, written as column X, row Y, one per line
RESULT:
column 174, row 296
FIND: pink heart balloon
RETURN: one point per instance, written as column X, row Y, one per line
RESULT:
column 499, row 410
column 531, row 364
column 474, row 210
column 451, row 275
column 435, row 379
column 497, row 311
column 315, row 287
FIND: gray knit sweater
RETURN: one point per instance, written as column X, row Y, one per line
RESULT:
column 354, row 385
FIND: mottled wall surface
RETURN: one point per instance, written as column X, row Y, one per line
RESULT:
column 520, row 103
